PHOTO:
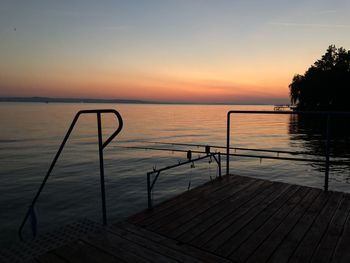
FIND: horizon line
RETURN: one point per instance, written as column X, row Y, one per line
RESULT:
column 38, row 99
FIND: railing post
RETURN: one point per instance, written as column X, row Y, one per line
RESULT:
column 102, row 176
column 219, row 157
column 149, row 197
column 228, row 145
column 33, row 220
column 328, row 138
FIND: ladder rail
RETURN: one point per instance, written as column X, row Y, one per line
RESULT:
column 102, row 145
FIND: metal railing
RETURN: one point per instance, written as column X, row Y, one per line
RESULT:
column 101, row 145
column 151, row 183
column 327, row 114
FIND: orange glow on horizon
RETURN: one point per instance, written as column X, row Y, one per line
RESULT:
column 160, row 90
column 178, row 86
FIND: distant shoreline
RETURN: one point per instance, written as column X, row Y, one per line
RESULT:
column 68, row 100
column 119, row 101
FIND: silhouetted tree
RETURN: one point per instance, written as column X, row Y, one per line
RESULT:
column 325, row 85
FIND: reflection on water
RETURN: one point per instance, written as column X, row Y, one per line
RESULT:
column 31, row 133
column 311, row 133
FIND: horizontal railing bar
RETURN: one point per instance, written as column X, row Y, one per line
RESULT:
column 291, row 112
column 223, row 147
column 272, row 151
column 156, row 149
column 277, row 158
column 340, row 162
column 97, row 111
column 233, row 148
column 240, row 148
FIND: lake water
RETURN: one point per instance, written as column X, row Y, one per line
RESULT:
column 30, row 135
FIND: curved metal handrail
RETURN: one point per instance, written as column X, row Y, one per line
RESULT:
column 102, row 145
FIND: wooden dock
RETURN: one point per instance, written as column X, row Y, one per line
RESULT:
column 236, row 219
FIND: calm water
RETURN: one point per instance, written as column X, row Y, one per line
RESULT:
column 31, row 133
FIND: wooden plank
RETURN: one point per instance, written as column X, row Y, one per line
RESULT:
column 202, row 255
column 248, row 247
column 328, row 243
column 200, row 224
column 312, row 238
column 175, row 199
column 233, row 211
column 215, row 200
column 342, row 251
column 217, row 243
column 271, row 243
column 211, row 194
column 129, row 251
column 251, row 227
column 157, row 214
column 294, row 237
column 185, row 197
column 195, row 221
column 153, row 246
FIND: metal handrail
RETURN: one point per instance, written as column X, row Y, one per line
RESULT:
column 150, row 185
column 101, row 146
column 327, row 114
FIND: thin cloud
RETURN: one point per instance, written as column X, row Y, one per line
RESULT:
column 309, row 25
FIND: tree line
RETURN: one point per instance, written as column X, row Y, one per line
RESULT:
column 325, row 85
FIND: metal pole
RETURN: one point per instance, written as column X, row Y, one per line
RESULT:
column 102, row 176
column 219, row 157
column 48, row 173
column 228, row 145
column 149, row 191
column 328, row 137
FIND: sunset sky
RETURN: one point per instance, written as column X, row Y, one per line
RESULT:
column 166, row 50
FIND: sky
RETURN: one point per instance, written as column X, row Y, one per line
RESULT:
column 220, row 51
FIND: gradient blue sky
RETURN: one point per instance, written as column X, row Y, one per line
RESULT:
column 199, row 50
